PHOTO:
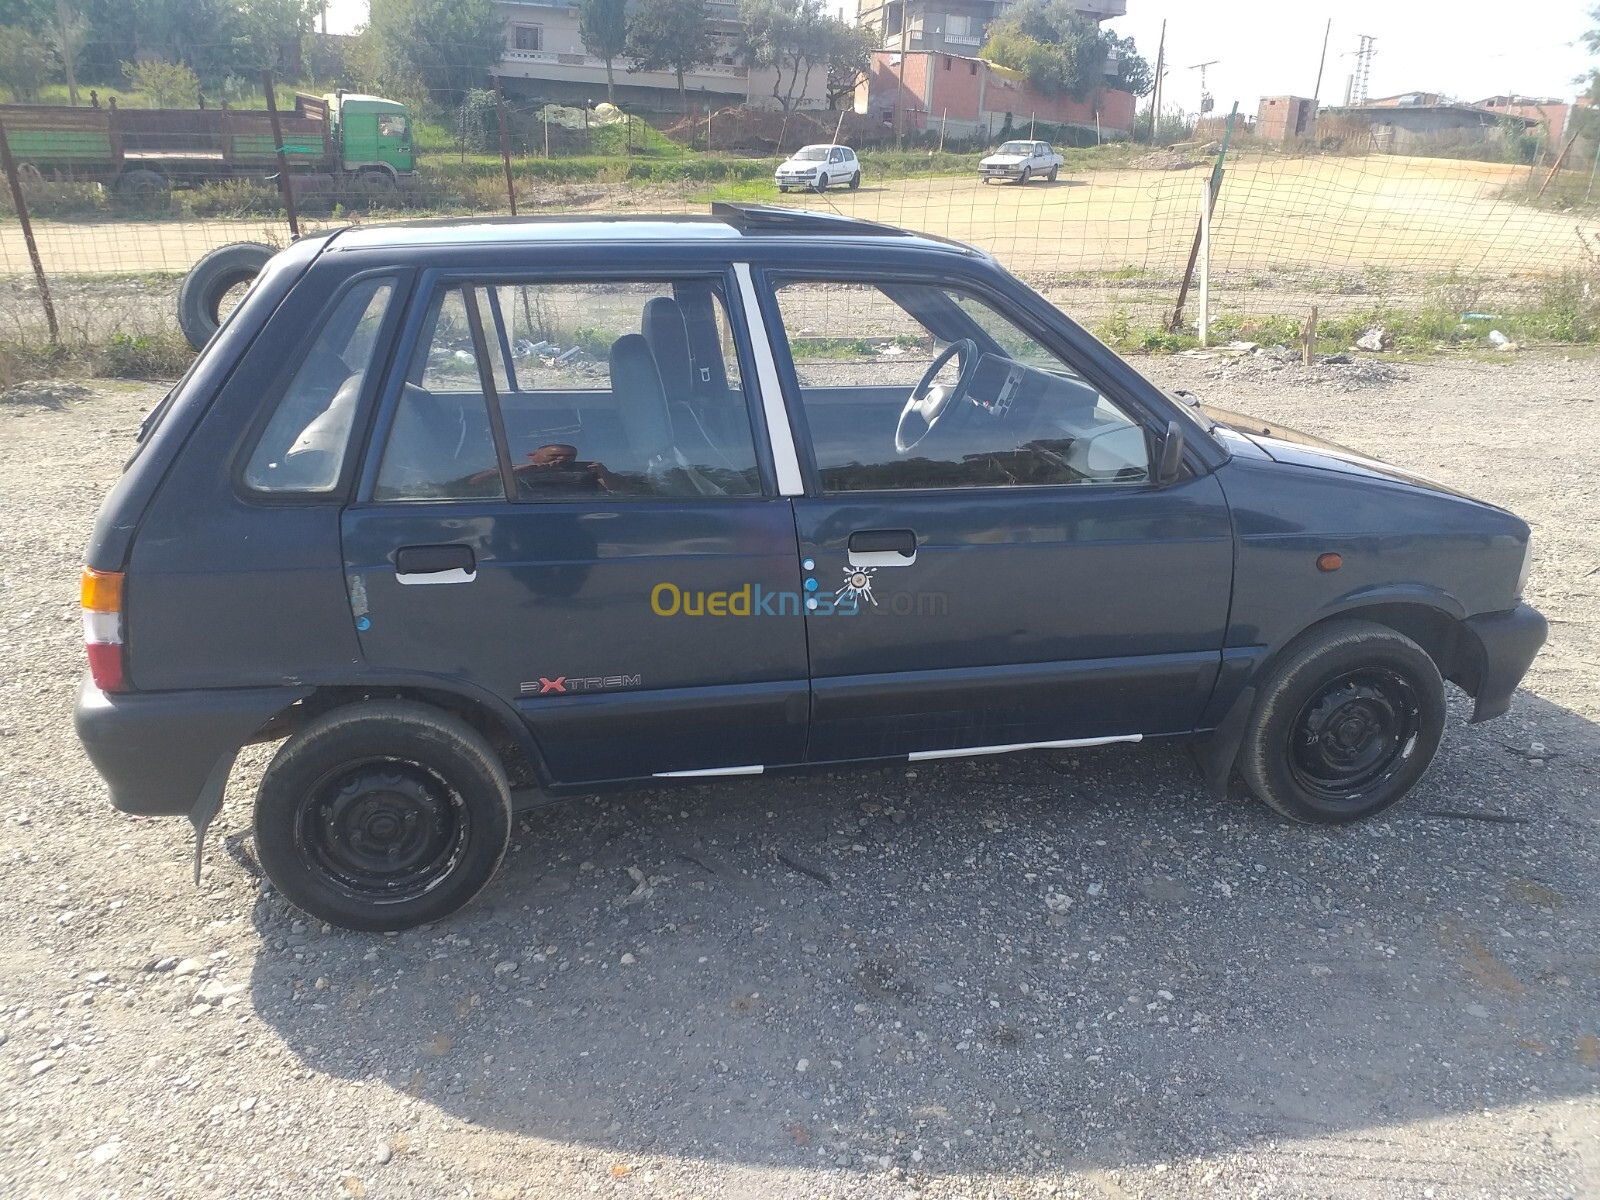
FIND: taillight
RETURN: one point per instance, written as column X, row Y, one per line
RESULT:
column 102, row 628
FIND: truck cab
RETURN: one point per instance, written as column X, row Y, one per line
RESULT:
column 373, row 134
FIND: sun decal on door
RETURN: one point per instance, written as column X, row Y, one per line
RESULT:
column 857, row 586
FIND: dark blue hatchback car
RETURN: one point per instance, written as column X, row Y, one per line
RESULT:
column 460, row 507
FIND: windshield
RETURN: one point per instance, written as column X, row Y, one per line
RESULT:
column 1016, row 148
column 812, row 154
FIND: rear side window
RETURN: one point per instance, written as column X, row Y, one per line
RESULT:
column 595, row 391
column 303, row 446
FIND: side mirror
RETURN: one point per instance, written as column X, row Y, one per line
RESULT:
column 1169, row 458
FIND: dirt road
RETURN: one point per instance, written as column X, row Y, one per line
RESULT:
column 1230, row 1007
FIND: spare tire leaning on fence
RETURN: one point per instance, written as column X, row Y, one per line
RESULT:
column 208, row 283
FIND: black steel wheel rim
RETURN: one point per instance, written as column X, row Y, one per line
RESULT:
column 386, row 829
column 1355, row 733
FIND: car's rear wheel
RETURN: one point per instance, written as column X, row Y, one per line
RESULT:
column 383, row 815
column 1027, row 174
column 1345, row 724
column 1054, row 171
column 855, row 181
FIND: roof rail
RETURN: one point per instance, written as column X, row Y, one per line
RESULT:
column 771, row 218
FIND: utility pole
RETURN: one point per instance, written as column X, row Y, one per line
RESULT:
column 900, row 86
column 1358, row 88
column 66, row 51
column 1206, row 102
column 1316, row 92
column 1155, row 94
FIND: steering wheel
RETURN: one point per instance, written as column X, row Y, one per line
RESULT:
column 928, row 404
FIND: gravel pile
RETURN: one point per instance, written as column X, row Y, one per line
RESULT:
column 46, row 393
column 1341, row 372
column 1165, row 160
column 1063, row 974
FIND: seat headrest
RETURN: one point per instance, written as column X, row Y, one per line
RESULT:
column 641, row 400
column 668, row 334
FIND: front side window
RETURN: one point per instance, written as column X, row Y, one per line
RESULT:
column 303, row 446
column 919, row 385
column 392, row 125
column 600, row 391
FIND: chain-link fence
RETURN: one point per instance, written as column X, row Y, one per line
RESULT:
column 1109, row 239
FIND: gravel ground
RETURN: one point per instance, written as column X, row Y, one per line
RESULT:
column 1050, row 974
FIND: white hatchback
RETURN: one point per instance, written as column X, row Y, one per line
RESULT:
column 817, row 168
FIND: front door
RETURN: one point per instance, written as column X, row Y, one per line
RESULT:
column 540, row 522
column 994, row 565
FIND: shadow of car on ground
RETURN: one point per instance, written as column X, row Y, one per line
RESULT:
column 1016, row 964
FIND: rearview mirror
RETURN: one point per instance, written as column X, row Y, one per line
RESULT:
column 1169, row 459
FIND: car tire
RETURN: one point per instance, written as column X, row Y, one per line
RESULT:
column 208, row 283
column 142, row 189
column 855, row 181
column 1054, row 171
column 782, row 190
column 822, row 183
column 383, row 815
column 1345, row 724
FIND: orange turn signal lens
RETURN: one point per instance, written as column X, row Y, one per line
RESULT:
column 102, row 591
column 1329, row 562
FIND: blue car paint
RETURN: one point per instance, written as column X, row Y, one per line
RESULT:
column 1144, row 612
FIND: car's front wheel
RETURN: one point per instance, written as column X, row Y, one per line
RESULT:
column 1344, row 725
column 822, row 183
column 383, row 815
column 1027, row 174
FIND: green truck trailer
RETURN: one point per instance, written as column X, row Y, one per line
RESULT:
column 338, row 141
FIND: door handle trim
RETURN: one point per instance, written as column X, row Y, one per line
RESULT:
column 454, row 575
column 882, row 548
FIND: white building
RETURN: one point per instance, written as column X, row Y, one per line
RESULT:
column 543, row 48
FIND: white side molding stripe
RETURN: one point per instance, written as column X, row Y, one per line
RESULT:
column 755, row 770
column 1068, row 744
column 784, row 458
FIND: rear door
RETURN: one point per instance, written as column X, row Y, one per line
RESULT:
column 539, row 522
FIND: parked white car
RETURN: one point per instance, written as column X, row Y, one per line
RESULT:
column 817, row 168
column 1021, row 161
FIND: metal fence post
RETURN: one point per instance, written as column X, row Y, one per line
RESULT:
column 505, row 143
column 284, row 184
column 15, row 180
column 1205, row 263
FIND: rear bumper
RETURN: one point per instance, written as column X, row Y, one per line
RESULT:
column 156, row 750
column 1508, row 641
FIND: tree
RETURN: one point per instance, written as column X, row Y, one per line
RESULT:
column 603, row 29
column 25, row 63
column 1063, row 53
column 1586, row 118
column 779, row 36
column 849, row 59
column 167, row 85
column 433, row 51
column 673, row 35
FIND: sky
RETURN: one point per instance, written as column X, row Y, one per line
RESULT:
column 1469, row 49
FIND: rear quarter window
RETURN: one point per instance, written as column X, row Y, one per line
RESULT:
column 302, row 448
